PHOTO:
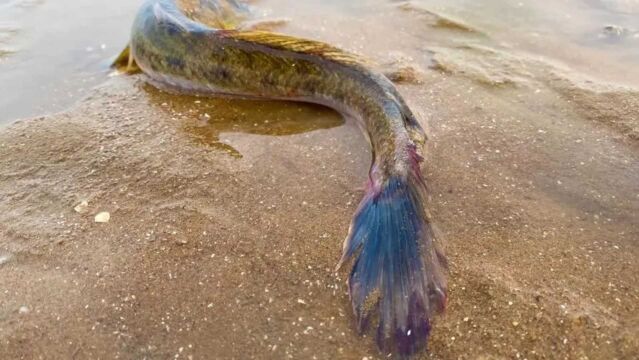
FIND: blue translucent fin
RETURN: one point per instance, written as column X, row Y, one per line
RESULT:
column 397, row 277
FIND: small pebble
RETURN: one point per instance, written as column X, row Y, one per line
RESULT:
column 406, row 75
column 81, row 208
column 103, row 217
column 23, row 310
column 4, row 258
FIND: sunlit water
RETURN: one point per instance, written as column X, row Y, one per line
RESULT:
column 53, row 51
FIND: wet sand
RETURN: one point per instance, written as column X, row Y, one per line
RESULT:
column 227, row 217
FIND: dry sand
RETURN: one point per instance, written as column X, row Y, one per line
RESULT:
column 222, row 237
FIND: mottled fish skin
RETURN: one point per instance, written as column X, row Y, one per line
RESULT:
column 185, row 54
column 397, row 263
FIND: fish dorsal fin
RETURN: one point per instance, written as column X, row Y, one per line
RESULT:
column 298, row 45
column 217, row 14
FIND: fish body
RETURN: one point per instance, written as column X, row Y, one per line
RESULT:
column 397, row 276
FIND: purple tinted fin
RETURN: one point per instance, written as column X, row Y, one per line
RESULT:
column 397, row 277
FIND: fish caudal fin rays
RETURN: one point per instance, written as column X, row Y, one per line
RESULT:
column 125, row 62
column 397, row 278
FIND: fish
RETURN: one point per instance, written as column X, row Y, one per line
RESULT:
column 397, row 278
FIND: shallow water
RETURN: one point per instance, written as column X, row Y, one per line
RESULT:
column 56, row 51
column 53, row 52
column 206, row 119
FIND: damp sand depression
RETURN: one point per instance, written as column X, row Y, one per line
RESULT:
column 227, row 216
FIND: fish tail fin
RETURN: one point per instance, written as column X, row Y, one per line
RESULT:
column 397, row 278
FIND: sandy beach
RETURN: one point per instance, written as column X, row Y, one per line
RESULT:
column 227, row 217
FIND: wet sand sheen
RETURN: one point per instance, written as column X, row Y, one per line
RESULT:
column 534, row 175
